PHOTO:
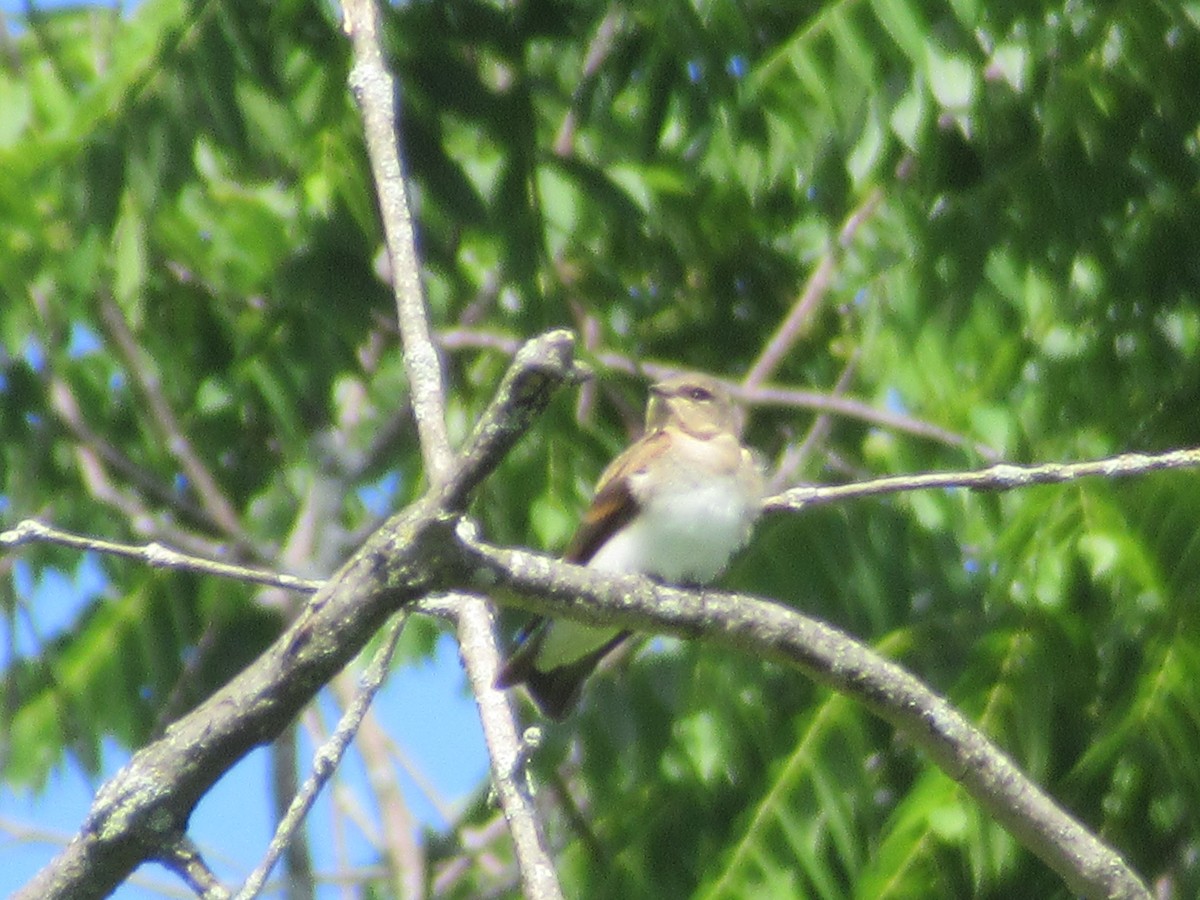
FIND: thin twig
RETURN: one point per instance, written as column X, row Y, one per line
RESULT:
column 375, row 90
column 1001, row 477
column 183, row 692
column 325, row 762
column 297, row 873
column 15, row 832
column 351, row 811
column 175, row 439
column 402, row 854
column 762, row 395
column 578, row 820
column 588, row 327
column 183, row 858
column 792, row 327
column 477, row 856
column 598, row 49
column 768, row 395
column 133, row 509
column 153, row 554
column 344, row 808
column 67, row 410
column 794, row 455
column 419, row 778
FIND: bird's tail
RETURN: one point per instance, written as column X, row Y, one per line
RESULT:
column 555, row 691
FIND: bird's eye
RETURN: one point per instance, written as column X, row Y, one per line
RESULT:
column 699, row 394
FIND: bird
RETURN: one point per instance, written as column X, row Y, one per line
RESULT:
column 676, row 505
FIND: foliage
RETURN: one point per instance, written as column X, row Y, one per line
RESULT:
column 1009, row 195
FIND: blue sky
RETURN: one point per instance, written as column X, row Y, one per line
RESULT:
column 423, row 706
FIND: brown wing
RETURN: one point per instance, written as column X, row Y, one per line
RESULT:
column 614, row 504
column 555, row 690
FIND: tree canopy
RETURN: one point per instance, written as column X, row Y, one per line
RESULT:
column 914, row 236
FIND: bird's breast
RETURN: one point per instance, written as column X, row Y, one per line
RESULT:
column 684, row 532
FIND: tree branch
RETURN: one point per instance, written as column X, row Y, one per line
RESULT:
column 538, row 369
column 497, row 432
column 794, row 455
column 375, row 90
column 297, row 877
column 325, row 762
column 216, row 505
column 141, row 809
column 184, row 859
column 399, row 847
column 418, row 553
column 768, row 395
column 93, row 453
column 68, row 411
column 770, row 630
column 153, row 554
column 760, row 395
column 482, row 658
column 526, row 385
column 1002, row 477
column 792, row 327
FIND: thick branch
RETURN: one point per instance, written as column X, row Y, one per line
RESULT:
column 770, row 630
column 142, row 809
column 538, row 369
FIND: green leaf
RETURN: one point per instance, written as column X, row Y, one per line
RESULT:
column 16, row 110
column 951, row 79
column 903, row 22
column 129, row 261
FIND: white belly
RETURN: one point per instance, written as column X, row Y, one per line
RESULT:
column 685, row 532
column 682, row 537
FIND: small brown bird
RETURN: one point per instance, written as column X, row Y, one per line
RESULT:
column 676, row 505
